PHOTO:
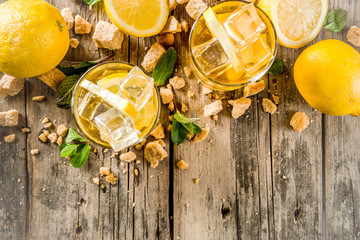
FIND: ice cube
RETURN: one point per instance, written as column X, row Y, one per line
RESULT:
column 255, row 55
column 117, row 128
column 244, row 24
column 91, row 106
column 137, row 87
column 211, row 57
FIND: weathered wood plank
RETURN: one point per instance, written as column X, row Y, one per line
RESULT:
column 342, row 156
column 13, row 172
column 296, row 160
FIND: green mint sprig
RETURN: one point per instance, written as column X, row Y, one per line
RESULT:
column 277, row 67
column 335, row 20
column 66, row 88
column 165, row 67
column 91, row 2
column 75, row 147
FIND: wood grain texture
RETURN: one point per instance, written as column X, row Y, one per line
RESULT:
column 342, row 154
column 259, row 179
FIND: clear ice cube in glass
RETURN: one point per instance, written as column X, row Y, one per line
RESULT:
column 255, row 55
column 91, row 106
column 244, row 24
column 211, row 57
column 137, row 88
column 117, row 128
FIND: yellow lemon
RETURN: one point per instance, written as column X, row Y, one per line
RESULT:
column 33, row 37
column 140, row 18
column 297, row 22
column 327, row 74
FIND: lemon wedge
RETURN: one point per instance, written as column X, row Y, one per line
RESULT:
column 140, row 18
column 110, row 98
column 110, row 82
column 220, row 33
column 297, row 22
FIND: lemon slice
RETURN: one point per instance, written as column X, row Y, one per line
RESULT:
column 110, row 98
column 297, row 22
column 110, row 82
column 140, row 18
column 220, row 33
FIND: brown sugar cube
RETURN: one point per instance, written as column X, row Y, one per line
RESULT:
column 195, row 7
column 158, row 132
column 38, row 98
column 140, row 145
column 166, row 95
column 128, row 157
column 177, row 82
column 53, row 137
column 9, row 118
column 154, row 152
column 172, row 5
column 43, row 137
column 96, row 180
column 152, row 57
column 154, row 164
column 268, row 106
column 111, row 179
column 182, row 164
column 190, row 94
column 81, row 25
column 184, row 107
column 161, row 142
column 213, row 108
column 3, row 93
column 181, row 1
column 205, row 90
column 53, row 78
column 48, row 125
column 104, row 171
column 190, row 136
column 25, row 130
column 62, row 130
column 187, row 71
column 353, row 36
column 171, row 106
column 60, row 141
column 46, row 132
column 34, row 151
column 166, row 40
column 11, row 85
column 171, row 26
column 239, row 106
column 68, row 17
column 299, row 121
column 108, row 36
column 184, row 26
column 215, row 117
column 202, row 136
column 136, row 172
column 254, row 88
column 171, row 118
column 9, row 138
column 196, row 180
column 276, row 99
column 45, row 120
column 169, row 127
column 74, row 43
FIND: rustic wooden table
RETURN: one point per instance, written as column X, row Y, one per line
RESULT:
column 259, row 179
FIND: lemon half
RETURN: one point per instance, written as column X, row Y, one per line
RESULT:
column 140, row 18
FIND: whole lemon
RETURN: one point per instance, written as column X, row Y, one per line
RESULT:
column 33, row 37
column 327, row 74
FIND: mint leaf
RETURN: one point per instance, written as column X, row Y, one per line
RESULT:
column 73, row 136
column 277, row 67
column 187, row 123
column 335, row 20
column 65, row 91
column 80, row 156
column 75, row 147
column 178, row 132
column 165, row 67
column 91, row 2
column 79, row 69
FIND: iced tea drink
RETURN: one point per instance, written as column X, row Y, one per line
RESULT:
column 232, row 44
column 116, row 105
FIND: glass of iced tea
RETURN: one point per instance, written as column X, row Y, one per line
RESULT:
column 116, row 105
column 232, row 44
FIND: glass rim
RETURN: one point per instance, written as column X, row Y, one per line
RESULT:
column 77, row 86
column 254, row 78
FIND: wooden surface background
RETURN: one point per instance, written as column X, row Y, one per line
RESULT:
column 259, row 179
